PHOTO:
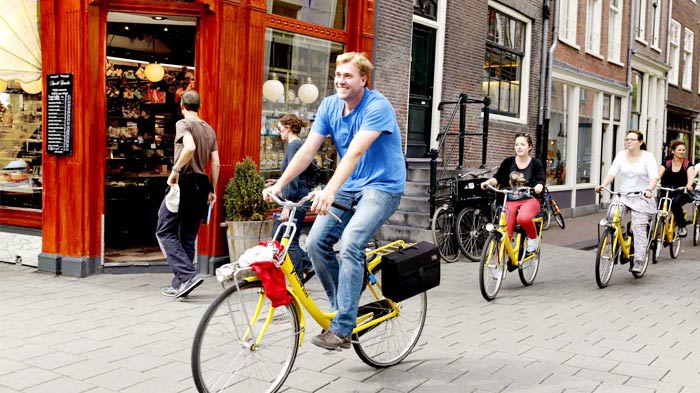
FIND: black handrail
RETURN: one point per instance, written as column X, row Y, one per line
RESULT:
column 461, row 103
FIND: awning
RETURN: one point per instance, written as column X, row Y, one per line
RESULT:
column 20, row 43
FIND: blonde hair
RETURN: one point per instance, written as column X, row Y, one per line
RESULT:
column 358, row 59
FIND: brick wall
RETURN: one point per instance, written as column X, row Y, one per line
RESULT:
column 687, row 14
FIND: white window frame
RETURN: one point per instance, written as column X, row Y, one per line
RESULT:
column 640, row 24
column 656, row 22
column 674, row 38
column 525, row 73
column 593, row 26
column 688, row 43
column 615, row 32
column 568, row 18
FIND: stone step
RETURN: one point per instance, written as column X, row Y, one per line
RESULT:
column 416, row 189
column 389, row 233
column 414, row 204
column 420, row 220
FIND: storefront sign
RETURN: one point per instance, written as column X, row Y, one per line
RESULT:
column 59, row 114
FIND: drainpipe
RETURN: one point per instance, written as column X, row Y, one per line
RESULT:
column 555, row 40
column 630, row 53
column 541, row 149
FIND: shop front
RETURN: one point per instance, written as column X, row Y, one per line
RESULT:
column 252, row 61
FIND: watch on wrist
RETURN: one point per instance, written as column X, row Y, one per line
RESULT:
column 175, row 169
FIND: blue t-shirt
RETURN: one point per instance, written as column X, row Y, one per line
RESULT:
column 382, row 166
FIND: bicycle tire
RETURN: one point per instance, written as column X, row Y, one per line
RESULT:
column 470, row 232
column 605, row 258
column 443, row 227
column 675, row 246
column 546, row 213
column 559, row 219
column 657, row 240
column 389, row 342
column 492, row 272
column 527, row 271
column 223, row 361
column 696, row 226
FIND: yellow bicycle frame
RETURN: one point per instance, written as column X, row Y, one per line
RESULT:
column 506, row 247
column 624, row 243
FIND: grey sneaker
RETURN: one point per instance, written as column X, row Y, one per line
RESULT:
column 168, row 291
column 188, row 286
column 532, row 245
column 636, row 267
column 330, row 341
column 682, row 232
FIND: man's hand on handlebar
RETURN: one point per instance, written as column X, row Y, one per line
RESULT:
column 321, row 201
column 272, row 190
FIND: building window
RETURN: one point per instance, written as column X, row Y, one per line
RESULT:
column 568, row 10
column 20, row 147
column 636, row 103
column 556, row 144
column 615, row 30
column 425, row 8
column 640, row 23
column 655, row 22
column 675, row 42
column 593, row 21
column 585, row 136
column 688, row 41
column 322, row 13
column 504, row 63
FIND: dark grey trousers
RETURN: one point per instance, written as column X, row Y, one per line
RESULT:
column 177, row 241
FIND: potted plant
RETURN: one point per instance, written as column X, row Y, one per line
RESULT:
column 246, row 210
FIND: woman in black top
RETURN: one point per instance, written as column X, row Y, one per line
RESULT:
column 677, row 172
column 289, row 127
column 521, row 170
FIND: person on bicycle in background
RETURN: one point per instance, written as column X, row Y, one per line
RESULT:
column 677, row 172
column 638, row 172
column 371, row 174
column 515, row 171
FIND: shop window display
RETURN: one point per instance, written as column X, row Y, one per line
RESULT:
column 323, row 13
column 556, row 145
column 20, row 148
column 585, row 136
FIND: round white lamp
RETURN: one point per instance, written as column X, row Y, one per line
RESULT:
column 308, row 92
column 154, row 72
column 273, row 89
column 33, row 87
column 3, row 85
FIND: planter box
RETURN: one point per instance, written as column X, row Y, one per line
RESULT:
column 242, row 235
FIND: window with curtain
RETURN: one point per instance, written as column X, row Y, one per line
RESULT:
column 615, row 30
column 505, row 49
column 674, row 39
column 655, row 22
column 568, row 11
column 641, row 21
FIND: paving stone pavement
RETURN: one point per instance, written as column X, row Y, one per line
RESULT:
column 116, row 333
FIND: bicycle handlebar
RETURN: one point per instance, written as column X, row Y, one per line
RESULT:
column 525, row 189
column 672, row 189
column 305, row 199
column 620, row 192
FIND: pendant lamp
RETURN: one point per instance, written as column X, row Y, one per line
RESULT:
column 154, row 71
column 273, row 89
column 3, row 85
column 308, row 92
column 33, row 87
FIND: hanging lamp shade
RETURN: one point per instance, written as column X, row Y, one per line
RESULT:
column 154, row 72
column 308, row 92
column 3, row 85
column 20, row 43
column 33, row 87
column 273, row 89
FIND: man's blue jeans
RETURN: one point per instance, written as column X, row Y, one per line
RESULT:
column 343, row 280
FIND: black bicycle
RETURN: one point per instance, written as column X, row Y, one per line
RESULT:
column 550, row 208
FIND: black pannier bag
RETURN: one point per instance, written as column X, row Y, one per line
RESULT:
column 410, row 271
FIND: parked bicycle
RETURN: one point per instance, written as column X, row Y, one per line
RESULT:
column 616, row 245
column 244, row 344
column 665, row 231
column 550, row 208
column 463, row 212
column 501, row 253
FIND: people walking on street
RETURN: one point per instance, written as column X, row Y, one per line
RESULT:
column 289, row 127
column 195, row 147
column 677, row 172
column 637, row 171
column 371, row 174
column 521, row 170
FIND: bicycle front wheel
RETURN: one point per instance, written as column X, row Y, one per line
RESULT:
column 675, row 246
column 470, row 232
column 528, row 269
column 605, row 258
column 389, row 342
column 228, row 354
column 492, row 269
column 657, row 240
column 696, row 226
column 444, row 237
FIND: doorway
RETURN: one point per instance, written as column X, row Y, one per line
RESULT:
column 150, row 63
column 420, row 101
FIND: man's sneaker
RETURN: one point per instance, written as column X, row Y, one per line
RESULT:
column 188, row 286
column 168, row 291
column 636, row 267
column 531, row 245
column 330, row 341
column 682, row 232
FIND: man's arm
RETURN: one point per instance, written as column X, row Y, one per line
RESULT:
column 185, row 156
column 215, row 167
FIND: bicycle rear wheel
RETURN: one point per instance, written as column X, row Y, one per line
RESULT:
column 675, row 246
column 546, row 213
column 492, row 268
column 470, row 232
column 389, row 342
column 558, row 217
column 225, row 355
column 605, row 258
column 443, row 228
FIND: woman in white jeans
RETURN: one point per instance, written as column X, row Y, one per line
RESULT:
column 636, row 171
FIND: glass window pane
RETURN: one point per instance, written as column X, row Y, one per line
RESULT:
column 606, row 107
column 425, row 8
column 618, row 108
column 319, row 12
column 20, row 148
column 585, row 136
column 556, row 144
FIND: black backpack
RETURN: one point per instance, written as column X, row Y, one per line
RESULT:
column 312, row 175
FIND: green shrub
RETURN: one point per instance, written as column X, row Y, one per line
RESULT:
column 243, row 198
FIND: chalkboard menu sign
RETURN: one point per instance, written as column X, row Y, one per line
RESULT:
column 59, row 114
